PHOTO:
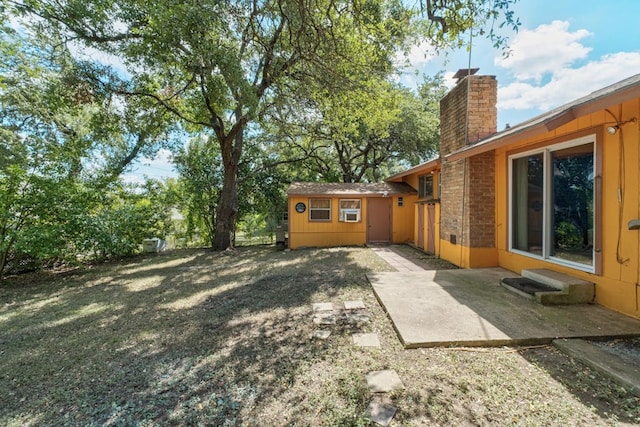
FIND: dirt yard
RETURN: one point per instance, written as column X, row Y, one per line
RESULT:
column 195, row 337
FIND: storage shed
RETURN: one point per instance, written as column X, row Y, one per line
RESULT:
column 342, row 214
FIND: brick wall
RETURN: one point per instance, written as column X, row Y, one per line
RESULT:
column 480, row 218
column 470, row 181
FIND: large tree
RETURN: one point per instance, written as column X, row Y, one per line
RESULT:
column 63, row 144
column 219, row 65
column 360, row 135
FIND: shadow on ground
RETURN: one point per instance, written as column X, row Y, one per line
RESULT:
column 182, row 338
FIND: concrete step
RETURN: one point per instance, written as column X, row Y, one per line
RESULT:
column 572, row 290
column 526, row 287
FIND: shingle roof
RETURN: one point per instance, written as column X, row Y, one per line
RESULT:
column 611, row 95
column 344, row 189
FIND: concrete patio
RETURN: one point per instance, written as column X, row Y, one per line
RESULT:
column 470, row 308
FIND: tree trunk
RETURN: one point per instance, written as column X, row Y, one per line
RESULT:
column 227, row 211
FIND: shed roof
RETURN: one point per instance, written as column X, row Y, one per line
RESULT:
column 617, row 93
column 349, row 189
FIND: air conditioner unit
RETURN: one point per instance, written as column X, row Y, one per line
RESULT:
column 350, row 215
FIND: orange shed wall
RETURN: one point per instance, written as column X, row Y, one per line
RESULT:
column 412, row 180
column 415, row 223
column 305, row 233
column 403, row 219
column 425, row 234
column 617, row 284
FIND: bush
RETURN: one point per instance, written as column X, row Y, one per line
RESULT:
column 568, row 235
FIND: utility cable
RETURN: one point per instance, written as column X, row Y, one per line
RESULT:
column 466, row 141
column 620, row 189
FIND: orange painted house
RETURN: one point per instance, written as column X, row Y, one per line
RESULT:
column 426, row 227
column 338, row 214
column 560, row 191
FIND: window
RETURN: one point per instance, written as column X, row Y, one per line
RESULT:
column 552, row 203
column 425, row 187
column 350, row 210
column 319, row 209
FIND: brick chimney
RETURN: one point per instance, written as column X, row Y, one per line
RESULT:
column 482, row 118
column 468, row 114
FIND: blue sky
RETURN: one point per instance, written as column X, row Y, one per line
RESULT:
column 564, row 49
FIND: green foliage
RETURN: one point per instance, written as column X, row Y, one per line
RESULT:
column 448, row 20
column 361, row 134
column 198, row 187
column 120, row 221
column 568, row 235
column 62, row 146
column 213, row 68
column 252, row 225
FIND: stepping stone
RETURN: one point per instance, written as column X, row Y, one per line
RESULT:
column 321, row 334
column 366, row 340
column 384, row 381
column 353, row 305
column 381, row 413
column 356, row 318
column 324, row 319
column 322, row 306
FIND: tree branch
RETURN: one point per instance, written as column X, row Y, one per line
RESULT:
column 433, row 17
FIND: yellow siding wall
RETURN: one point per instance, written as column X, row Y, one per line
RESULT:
column 617, row 286
column 437, row 231
column 412, row 180
column 415, row 223
column 305, row 233
column 403, row 219
column 466, row 257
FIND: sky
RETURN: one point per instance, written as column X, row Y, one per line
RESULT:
column 564, row 49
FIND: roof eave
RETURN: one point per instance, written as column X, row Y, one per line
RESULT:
column 544, row 124
column 426, row 166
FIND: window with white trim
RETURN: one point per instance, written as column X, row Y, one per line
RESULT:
column 552, row 203
column 319, row 209
column 350, row 210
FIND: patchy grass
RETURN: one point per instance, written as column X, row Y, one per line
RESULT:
column 200, row 338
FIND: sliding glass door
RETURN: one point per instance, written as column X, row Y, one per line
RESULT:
column 552, row 203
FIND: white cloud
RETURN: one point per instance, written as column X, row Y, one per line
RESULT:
column 16, row 23
column 162, row 159
column 449, row 81
column 418, row 56
column 86, row 53
column 546, row 49
column 413, row 63
column 568, row 84
column 132, row 179
column 160, row 166
column 549, row 68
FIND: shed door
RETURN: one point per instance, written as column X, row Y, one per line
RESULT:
column 421, row 226
column 379, row 220
column 431, row 225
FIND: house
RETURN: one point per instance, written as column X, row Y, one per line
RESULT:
column 557, row 192
column 339, row 214
column 426, row 227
